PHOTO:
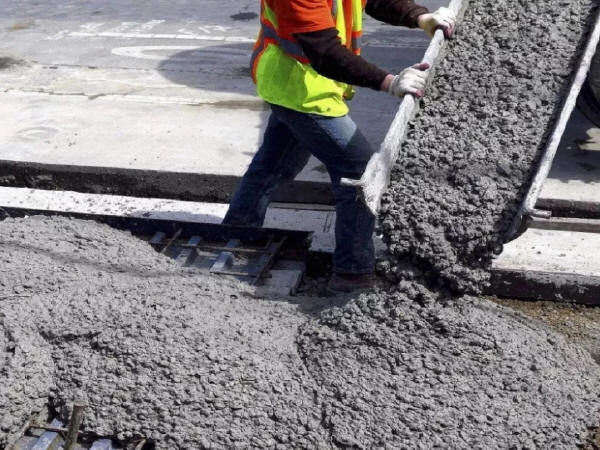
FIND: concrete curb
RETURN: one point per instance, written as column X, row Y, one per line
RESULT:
column 146, row 183
column 547, row 286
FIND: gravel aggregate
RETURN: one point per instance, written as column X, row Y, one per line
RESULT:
column 468, row 159
column 92, row 314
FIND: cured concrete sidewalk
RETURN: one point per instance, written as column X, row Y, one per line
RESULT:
column 152, row 98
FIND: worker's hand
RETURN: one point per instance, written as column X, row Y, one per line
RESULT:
column 442, row 18
column 409, row 81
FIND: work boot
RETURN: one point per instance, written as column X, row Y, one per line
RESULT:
column 345, row 283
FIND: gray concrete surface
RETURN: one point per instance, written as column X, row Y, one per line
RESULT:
column 88, row 313
column 553, row 251
column 161, row 88
column 410, row 367
column 552, row 265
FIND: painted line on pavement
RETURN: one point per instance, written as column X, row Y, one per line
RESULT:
column 194, row 37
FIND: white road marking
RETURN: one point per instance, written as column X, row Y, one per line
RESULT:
column 212, row 28
column 123, row 27
column 57, row 36
column 148, row 25
column 141, row 52
column 144, row 51
column 91, row 26
column 193, row 37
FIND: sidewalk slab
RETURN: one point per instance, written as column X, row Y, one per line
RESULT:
column 546, row 264
column 103, row 97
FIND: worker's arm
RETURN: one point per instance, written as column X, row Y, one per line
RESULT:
column 310, row 22
column 331, row 59
column 409, row 14
column 396, row 12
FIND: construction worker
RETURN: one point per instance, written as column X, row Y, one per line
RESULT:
column 305, row 62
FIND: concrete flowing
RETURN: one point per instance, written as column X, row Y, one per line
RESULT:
column 467, row 162
column 90, row 313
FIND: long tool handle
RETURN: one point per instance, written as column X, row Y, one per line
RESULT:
column 376, row 178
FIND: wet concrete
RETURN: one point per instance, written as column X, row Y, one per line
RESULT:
column 463, row 374
column 89, row 313
column 92, row 314
column 468, row 160
column 99, row 316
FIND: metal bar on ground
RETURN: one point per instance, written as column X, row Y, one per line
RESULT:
column 239, row 273
column 549, row 286
column 48, row 438
column 225, row 259
column 74, row 425
column 185, row 254
column 567, row 224
column 50, row 428
column 173, row 239
column 376, row 177
column 102, row 444
column 570, row 208
column 266, row 261
column 528, row 206
column 216, row 248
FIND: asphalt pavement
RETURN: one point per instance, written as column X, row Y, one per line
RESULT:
column 94, row 93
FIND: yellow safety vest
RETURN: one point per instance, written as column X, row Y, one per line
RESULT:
column 283, row 74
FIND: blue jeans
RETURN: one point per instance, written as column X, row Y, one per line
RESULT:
column 289, row 140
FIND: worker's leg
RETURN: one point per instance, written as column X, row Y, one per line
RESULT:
column 338, row 143
column 280, row 158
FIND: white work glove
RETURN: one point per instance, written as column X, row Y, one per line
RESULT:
column 443, row 18
column 410, row 81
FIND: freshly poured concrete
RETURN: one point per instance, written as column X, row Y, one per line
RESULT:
column 410, row 367
column 164, row 87
column 92, row 314
column 537, row 251
column 468, row 162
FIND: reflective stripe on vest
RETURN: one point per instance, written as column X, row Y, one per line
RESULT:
column 282, row 72
column 349, row 26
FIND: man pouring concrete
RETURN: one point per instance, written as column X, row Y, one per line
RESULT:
column 306, row 60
